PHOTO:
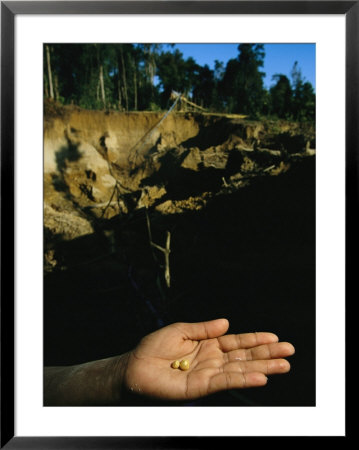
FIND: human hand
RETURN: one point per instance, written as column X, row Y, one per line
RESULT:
column 217, row 361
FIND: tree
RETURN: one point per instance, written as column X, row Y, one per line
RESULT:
column 149, row 56
column 305, row 102
column 281, row 97
column 101, row 82
column 122, row 69
column 242, row 83
column 176, row 74
column 142, row 77
column 204, row 92
column 303, row 96
column 49, row 72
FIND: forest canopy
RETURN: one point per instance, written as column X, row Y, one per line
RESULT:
column 138, row 77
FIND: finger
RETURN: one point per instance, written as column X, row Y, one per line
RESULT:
column 267, row 351
column 268, row 367
column 235, row 380
column 245, row 340
column 204, row 330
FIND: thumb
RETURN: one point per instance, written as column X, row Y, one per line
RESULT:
column 205, row 330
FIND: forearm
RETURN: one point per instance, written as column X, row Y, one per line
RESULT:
column 97, row 383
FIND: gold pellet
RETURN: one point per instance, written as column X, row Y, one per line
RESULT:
column 175, row 364
column 184, row 364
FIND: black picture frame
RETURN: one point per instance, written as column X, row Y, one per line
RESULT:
column 9, row 9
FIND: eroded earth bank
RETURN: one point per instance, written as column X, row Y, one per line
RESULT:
column 233, row 201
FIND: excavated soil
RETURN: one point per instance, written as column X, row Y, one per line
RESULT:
column 238, row 200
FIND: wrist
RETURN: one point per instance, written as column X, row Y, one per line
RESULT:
column 96, row 383
column 118, row 373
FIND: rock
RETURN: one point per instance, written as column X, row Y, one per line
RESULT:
column 108, row 181
column 236, row 177
column 248, row 165
column 67, row 224
column 192, row 160
column 189, row 204
column 212, row 157
column 282, row 168
column 167, row 207
column 149, row 195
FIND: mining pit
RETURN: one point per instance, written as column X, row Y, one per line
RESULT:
column 232, row 199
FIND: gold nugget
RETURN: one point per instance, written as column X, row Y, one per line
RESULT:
column 184, row 364
column 175, row 364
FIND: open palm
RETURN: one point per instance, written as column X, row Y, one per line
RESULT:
column 217, row 361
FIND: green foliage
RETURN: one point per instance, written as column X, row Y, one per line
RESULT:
column 281, row 97
column 139, row 77
column 242, row 83
column 176, row 74
column 303, row 96
column 294, row 100
column 154, row 107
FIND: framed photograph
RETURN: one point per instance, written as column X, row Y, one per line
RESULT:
column 179, row 183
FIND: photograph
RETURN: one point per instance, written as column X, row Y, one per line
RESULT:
column 179, row 224
column 178, row 197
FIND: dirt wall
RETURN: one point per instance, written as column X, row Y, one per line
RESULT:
column 99, row 164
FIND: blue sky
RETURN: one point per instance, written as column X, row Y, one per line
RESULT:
column 279, row 58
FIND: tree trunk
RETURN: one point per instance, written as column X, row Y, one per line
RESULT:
column 51, row 87
column 151, row 66
column 102, row 86
column 135, row 86
column 119, row 87
column 124, row 77
column 46, row 86
column 56, row 87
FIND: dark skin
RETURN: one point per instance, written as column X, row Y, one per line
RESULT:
column 217, row 362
